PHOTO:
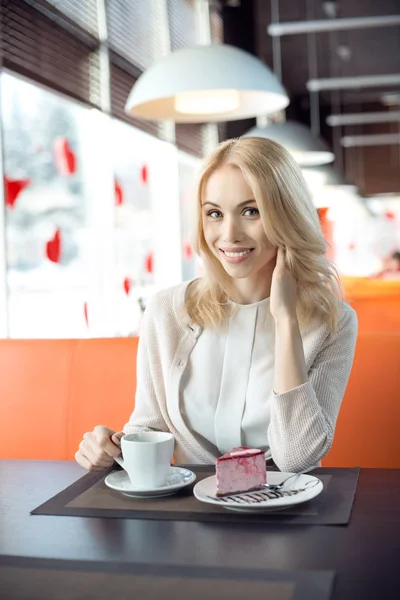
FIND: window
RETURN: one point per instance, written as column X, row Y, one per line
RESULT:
column 46, row 218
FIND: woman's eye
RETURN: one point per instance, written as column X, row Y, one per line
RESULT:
column 214, row 214
column 251, row 212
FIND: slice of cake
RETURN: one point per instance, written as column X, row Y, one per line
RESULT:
column 240, row 470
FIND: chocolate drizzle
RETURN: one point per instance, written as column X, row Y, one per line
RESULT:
column 255, row 497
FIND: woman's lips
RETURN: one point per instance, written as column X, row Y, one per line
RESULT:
column 236, row 255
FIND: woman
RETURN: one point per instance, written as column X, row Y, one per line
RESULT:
column 258, row 351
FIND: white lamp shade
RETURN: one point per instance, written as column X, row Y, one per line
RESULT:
column 204, row 84
column 305, row 148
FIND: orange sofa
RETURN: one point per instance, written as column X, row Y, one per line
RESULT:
column 368, row 428
column 52, row 391
column 376, row 302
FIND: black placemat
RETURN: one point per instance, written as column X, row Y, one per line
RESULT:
column 90, row 497
column 45, row 579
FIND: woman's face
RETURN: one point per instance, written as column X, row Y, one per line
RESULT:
column 232, row 226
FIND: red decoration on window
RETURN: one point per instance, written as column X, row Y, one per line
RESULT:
column 327, row 230
column 390, row 215
column 187, row 251
column 144, row 174
column 53, row 247
column 127, row 285
column 322, row 212
column 85, row 312
column 119, row 194
column 13, row 188
column 351, row 246
column 149, row 262
column 64, row 157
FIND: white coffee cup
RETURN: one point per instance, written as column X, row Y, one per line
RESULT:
column 146, row 457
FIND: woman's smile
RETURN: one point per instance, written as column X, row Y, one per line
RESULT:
column 236, row 255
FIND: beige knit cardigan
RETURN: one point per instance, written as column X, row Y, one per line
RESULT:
column 303, row 419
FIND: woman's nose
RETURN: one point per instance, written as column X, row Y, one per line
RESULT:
column 232, row 230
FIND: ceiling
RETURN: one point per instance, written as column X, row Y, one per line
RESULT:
column 349, row 53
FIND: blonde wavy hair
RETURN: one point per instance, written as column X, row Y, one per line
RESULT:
column 290, row 221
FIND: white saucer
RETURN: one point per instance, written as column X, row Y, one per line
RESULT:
column 205, row 492
column 176, row 480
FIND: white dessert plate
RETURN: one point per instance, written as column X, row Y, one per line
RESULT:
column 176, row 480
column 309, row 487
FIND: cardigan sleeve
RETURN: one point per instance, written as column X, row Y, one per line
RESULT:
column 146, row 415
column 303, row 419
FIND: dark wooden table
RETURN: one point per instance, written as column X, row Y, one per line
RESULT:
column 365, row 554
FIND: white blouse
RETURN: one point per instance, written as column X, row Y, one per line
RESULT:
column 228, row 381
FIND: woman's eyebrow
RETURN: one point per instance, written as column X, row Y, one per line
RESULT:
column 239, row 205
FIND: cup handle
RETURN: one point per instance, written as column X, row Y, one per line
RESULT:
column 119, row 460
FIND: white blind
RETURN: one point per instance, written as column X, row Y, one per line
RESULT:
column 81, row 12
column 38, row 44
column 182, row 23
column 133, row 30
column 216, row 25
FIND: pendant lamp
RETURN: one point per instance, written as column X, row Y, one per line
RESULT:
column 206, row 83
column 328, row 176
column 305, row 148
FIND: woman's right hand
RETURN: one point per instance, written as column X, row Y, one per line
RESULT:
column 98, row 448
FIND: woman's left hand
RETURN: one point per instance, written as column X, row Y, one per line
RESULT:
column 283, row 297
